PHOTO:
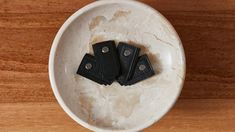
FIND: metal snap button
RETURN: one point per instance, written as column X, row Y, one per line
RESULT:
column 142, row 67
column 127, row 53
column 88, row 66
column 105, row 49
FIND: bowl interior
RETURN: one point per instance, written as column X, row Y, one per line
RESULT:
column 116, row 107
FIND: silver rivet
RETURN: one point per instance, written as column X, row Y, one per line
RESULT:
column 127, row 52
column 142, row 67
column 105, row 49
column 88, row 66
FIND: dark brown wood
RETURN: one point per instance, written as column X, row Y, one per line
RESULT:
column 207, row 30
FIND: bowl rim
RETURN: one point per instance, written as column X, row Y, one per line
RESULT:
column 52, row 59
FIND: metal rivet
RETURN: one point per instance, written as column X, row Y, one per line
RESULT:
column 88, row 66
column 105, row 49
column 142, row 67
column 127, row 52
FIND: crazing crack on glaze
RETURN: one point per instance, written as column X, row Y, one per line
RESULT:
column 157, row 38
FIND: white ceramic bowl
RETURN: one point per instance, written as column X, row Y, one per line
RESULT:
column 117, row 108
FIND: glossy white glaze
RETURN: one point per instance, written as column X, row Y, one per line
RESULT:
column 116, row 107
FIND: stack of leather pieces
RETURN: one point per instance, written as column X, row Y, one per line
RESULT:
column 110, row 63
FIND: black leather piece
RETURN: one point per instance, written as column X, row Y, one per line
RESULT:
column 93, row 73
column 108, row 60
column 105, row 66
column 140, row 75
column 128, row 61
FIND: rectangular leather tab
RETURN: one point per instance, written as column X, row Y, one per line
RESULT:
column 128, row 56
column 89, row 68
column 106, row 55
column 143, row 70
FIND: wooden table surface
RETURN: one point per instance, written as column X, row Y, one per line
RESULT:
column 207, row 29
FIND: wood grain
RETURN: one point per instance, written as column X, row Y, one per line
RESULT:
column 36, row 117
column 207, row 30
column 189, row 115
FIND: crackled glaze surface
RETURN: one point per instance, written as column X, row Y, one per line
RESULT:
column 116, row 107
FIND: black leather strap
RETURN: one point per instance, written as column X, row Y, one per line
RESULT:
column 106, row 56
column 143, row 70
column 89, row 68
column 128, row 56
